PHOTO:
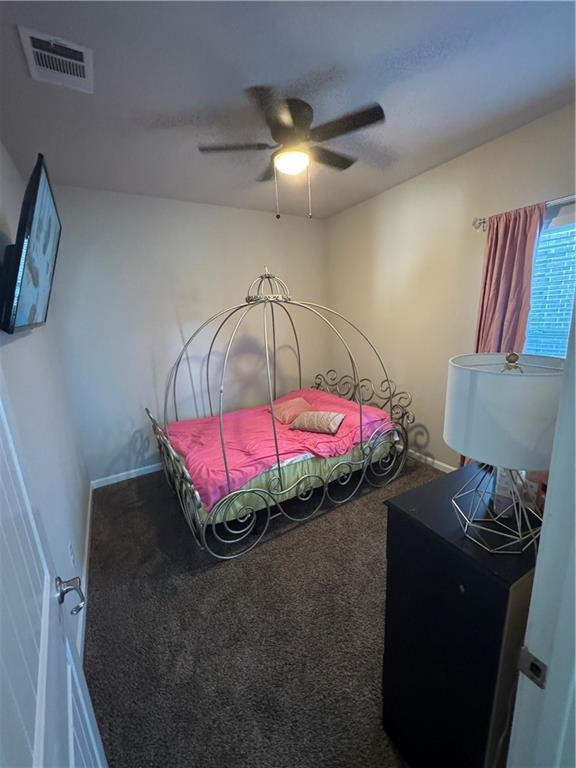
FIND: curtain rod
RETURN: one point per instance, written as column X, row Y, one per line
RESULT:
column 480, row 222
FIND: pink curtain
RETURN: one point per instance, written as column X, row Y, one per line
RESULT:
column 506, row 279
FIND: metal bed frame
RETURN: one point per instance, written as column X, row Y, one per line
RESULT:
column 239, row 520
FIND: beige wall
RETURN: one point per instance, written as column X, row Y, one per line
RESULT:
column 407, row 264
column 33, row 391
column 141, row 275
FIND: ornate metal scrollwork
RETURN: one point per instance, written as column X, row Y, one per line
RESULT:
column 383, row 395
column 343, row 386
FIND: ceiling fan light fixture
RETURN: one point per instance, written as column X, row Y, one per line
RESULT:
column 292, row 161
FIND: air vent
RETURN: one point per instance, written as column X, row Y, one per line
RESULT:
column 56, row 61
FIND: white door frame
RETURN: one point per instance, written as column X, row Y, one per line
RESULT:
column 543, row 725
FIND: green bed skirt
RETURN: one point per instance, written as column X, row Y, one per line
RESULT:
column 238, row 504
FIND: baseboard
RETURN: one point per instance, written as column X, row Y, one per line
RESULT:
column 81, row 632
column 128, row 475
column 431, row 462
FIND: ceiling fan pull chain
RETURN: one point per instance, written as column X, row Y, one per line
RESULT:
column 309, row 193
column 276, row 188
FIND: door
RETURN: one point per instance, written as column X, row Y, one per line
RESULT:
column 46, row 717
column 543, row 725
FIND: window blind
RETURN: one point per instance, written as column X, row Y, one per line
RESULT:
column 553, row 286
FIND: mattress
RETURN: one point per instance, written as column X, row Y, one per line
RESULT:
column 251, row 452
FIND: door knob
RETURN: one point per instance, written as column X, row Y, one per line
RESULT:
column 72, row 585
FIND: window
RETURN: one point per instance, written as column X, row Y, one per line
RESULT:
column 553, row 285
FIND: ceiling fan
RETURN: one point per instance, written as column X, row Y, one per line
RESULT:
column 296, row 140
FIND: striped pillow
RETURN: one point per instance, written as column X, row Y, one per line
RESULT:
column 326, row 422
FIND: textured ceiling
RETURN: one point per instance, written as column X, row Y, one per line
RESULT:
column 450, row 76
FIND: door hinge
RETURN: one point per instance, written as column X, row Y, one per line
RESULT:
column 532, row 667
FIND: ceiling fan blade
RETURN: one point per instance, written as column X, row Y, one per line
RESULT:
column 268, row 174
column 276, row 111
column 333, row 159
column 348, row 123
column 234, row 147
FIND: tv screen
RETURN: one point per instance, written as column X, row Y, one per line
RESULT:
column 28, row 266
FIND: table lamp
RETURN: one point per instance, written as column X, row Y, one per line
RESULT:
column 501, row 411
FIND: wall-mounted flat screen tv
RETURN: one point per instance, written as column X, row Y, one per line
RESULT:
column 27, row 270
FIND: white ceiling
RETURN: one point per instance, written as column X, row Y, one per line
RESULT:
column 450, row 76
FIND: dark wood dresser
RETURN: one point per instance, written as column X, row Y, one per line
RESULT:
column 455, row 621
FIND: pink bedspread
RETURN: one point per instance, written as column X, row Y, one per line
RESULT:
column 250, row 441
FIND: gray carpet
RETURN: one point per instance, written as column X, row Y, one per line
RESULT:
column 269, row 661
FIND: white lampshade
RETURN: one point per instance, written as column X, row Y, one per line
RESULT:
column 502, row 417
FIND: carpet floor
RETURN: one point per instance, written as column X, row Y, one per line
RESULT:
column 270, row 661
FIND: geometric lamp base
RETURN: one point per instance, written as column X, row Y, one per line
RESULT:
column 497, row 522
